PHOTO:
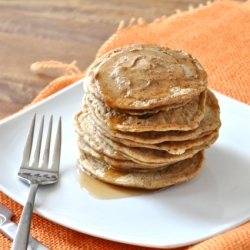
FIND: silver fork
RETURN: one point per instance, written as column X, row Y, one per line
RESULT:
column 36, row 176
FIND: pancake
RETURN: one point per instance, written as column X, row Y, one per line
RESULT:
column 184, row 118
column 154, row 179
column 123, row 165
column 147, row 111
column 210, row 122
column 86, row 130
column 145, row 76
column 143, row 156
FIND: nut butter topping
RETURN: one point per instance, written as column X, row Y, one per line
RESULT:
column 143, row 77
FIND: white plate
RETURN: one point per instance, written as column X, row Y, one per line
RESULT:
column 213, row 202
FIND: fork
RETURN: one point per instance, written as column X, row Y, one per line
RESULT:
column 35, row 175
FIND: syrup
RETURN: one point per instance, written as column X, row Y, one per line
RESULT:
column 102, row 190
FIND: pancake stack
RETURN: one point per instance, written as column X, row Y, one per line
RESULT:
column 147, row 117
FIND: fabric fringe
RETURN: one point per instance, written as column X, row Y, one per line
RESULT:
column 49, row 67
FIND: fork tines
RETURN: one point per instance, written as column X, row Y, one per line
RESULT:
column 28, row 147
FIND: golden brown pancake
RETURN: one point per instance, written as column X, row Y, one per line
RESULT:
column 147, row 111
column 153, row 179
column 143, row 157
column 87, row 130
column 186, row 117
column 210, row 122
column 145, row 76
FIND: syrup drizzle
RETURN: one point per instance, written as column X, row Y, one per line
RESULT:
column 102, row 190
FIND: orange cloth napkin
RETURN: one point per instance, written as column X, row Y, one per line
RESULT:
column 218, row 35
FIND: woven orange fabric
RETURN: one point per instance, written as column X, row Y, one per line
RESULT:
column 218, row 35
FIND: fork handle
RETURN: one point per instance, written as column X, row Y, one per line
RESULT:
column 23, row 230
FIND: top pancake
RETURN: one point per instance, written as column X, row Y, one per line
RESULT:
column 142, row 77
